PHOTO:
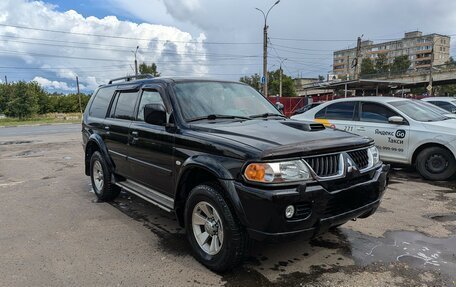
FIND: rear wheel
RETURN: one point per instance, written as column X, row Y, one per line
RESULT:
column 436, row 163
column 100, row 175
column 217, row 239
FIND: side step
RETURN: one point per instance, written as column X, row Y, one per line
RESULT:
column 149, row 195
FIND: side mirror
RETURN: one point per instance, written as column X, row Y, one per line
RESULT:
column 279, row 106
column 396, row 120
column 155, row 114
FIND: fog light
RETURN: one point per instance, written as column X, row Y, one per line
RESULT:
column 289, row 211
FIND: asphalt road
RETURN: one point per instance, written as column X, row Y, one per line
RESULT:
column 53, row 232
column 39, row 130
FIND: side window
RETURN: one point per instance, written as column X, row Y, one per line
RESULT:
column 148, row 97
column 100, row 103
column 321, row 114
column 341, row 111
column 124, row 105
column 444, row 105
column 375, row 113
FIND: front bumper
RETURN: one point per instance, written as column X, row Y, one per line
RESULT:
column 318, row 206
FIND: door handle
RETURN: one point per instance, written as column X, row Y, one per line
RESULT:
column 135, row 137
column 361, row 129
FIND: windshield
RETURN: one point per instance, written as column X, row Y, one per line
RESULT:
column 203, row 99
column 420, row 111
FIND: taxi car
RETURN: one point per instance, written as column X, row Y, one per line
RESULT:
column 446, row 103
column 405, row 131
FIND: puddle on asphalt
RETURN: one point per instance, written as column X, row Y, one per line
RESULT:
column 413, row 248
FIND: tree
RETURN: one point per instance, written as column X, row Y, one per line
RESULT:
column 321, row 78
column 400, row 64
column 451, row 61
column 367, row 67
column 288, row 85
column 381, row 64
column 254, row 81
column 146, row 69
column 23, row 102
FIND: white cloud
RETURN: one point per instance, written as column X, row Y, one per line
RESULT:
column 53, row 85
column 66, row 56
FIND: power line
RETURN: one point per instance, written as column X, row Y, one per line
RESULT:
column 142, row 50
column 126, row 38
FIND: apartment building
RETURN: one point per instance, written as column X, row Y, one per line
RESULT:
column 418, row 47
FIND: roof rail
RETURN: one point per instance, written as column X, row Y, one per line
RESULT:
column 130, row 78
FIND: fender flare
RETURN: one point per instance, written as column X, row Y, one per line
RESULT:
column 212, row 165
column 96, row 140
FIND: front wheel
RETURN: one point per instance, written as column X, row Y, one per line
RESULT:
column 436, row 163
column 216, row 237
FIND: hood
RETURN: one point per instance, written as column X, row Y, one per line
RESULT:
column 282, row 138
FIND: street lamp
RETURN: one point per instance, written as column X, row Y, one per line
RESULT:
column 281, row 72
column 265, row 48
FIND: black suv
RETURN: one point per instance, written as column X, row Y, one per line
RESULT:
column 227, row 163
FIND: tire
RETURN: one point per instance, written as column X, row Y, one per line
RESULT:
column 232, row 239
column 100, row 176
column 436, row 163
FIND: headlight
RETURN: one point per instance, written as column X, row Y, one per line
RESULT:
column 277, row 172
column 374, row 156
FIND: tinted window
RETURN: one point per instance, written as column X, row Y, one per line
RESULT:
column 340, row 111
column 124, row 105
column 321, row 114
column 148, row 97
column 444, row 105
column 101, row 102
column 376, row 113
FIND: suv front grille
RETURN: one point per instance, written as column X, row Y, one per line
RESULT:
column 324, row 166
column 360, row 157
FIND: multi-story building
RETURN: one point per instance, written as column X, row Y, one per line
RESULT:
column 420, row 49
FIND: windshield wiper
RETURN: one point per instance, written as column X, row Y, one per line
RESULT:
column 266, row 115
column 216, row 117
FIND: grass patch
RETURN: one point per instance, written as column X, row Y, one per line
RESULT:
column 42, row 119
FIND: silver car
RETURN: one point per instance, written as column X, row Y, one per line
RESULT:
column 446, row 103
column 405, row 131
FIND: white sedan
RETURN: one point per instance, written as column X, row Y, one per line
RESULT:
column 446, row 103
column 405, row 131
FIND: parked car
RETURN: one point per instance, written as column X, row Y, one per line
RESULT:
column 227, row 163
column 446, row 103
column 306, row 108
column 405, row 131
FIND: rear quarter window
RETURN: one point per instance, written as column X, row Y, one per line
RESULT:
column 100, row 103
column 338, row 111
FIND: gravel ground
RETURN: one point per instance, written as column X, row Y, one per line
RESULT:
column 53, row 232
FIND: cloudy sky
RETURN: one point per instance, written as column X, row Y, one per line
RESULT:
column 54, row 41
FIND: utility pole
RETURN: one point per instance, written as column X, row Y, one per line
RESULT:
column 79, row 94
column 136, row 61
column 281, row 73
column 358, row 57
column 265, row 49
column 6, row 80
